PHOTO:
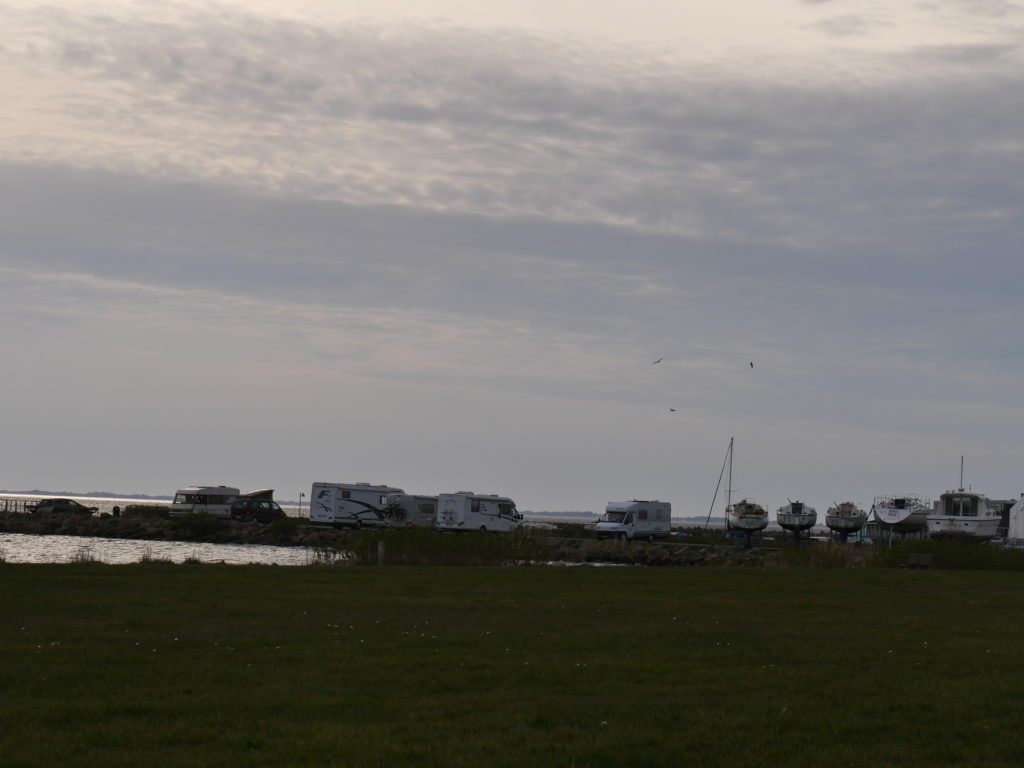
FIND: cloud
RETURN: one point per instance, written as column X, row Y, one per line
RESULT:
column 847, row 25
column 514, row 124
column 451, row 227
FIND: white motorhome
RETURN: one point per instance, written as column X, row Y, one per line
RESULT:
column 204, row 499
column 468, row 511
column 635, row 519
column 352, row 505
column 404, row 510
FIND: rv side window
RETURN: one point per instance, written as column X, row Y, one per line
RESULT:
column 200, row 498
column 504, row 509
column 427, row 509
column 643, row 514
column 474, row 505
column 383, row 500
column 346, row 494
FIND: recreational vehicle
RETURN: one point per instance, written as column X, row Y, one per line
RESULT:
column 204, row 499
column 350, row 505
column 635, row 520
column 468, row 511
column 404, row 510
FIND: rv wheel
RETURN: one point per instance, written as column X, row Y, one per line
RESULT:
column 358, row 525
column 483, row 528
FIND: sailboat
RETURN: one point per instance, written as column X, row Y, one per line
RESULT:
column 902, row 514
column 845, row 518
column 745, row 516
column 796, row 516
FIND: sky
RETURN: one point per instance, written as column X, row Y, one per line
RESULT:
column 439, row 245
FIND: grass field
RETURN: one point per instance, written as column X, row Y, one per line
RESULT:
column 199, row 665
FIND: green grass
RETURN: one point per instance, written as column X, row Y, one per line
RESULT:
column 200, row 665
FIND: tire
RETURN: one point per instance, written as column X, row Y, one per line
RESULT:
column 359, row 525
column 483, row 529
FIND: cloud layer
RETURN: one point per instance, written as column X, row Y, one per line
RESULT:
column 486, row 235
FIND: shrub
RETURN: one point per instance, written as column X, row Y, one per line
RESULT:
column 146, row 510
column 426, row 546
column 966, row 554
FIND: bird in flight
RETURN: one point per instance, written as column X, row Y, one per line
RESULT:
column 751, row 365
column 672, row 409
column 658, row 361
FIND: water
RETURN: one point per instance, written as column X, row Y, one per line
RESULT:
column 28, row 548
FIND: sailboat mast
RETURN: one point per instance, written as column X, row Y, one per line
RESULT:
column 728, row 488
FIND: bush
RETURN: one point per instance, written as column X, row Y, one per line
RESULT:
column 426, row 546
column 964, row 554
column 818, row 555
column 146, row 510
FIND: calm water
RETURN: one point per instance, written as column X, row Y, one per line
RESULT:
column 25, row 548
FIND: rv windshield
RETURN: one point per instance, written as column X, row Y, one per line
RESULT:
column 509, row 511
column 613, row 517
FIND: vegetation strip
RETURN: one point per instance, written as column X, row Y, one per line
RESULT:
column 359, row 666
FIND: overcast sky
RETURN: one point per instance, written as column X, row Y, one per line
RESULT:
column 439, row 244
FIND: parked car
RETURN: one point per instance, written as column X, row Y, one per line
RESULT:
column 257, row 507
column 61, row 506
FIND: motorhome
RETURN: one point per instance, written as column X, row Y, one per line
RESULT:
column 403, row 510
column 212, row 500
column 468, row 511
column 350, row 505
column 635, row 519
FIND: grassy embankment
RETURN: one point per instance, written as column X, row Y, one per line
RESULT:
column 356, row 666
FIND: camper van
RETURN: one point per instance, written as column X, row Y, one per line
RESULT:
column 204, row 499
column 406, row 511
column 468, row 511
column 350, row 505
column 635, row 520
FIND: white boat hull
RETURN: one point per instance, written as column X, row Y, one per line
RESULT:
column 979, row 527
column 747, row 517
column 845, row 523
column 964, row 513
column 902, row 520
column 796, row 517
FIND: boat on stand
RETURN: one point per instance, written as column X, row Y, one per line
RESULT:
column 747, row 517
column 902, row 514
column 796, row 517
column 744, row 518
column 964, row 514
column 845, row 518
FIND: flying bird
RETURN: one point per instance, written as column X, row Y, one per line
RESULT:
column 751, row 365
column 672, row 409
column 658, row 361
